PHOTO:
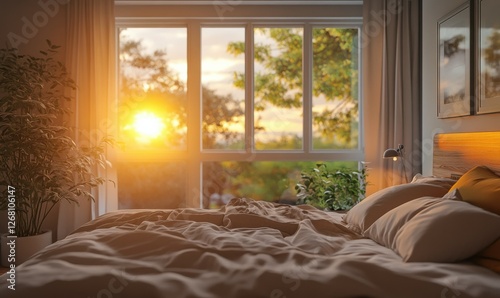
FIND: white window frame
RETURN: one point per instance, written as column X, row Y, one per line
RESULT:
column 194, row 156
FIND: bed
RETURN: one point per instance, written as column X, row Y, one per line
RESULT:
column 421, row 239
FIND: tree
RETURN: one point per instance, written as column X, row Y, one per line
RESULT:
column 219, row 112
column 492, row 61
column 335, row 74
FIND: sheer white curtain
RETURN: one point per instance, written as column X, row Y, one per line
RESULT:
column 391, row 88
column 90, row 60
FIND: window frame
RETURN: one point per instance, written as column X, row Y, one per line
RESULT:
column 195, row 155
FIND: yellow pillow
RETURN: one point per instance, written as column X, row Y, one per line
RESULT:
column 481, row 187
column 490, row 257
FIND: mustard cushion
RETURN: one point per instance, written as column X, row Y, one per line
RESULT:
column 481, row 187
column 490, row 257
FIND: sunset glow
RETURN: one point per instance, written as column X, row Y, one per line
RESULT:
column 147, row 126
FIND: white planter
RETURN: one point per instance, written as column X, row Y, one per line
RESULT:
column 22, row 248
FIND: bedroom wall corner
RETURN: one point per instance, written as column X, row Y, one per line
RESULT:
column 26, row 25
column 432, row 11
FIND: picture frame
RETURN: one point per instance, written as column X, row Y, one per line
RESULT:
column 487, row 35
column 454, row 63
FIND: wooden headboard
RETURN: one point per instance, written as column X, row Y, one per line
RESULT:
column 456, row 153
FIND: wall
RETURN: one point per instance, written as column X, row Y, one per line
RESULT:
column 432, row 12
column 26, row 25
column 221, row 12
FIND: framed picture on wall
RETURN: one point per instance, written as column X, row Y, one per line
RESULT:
column 454, row 63
column 488, row 56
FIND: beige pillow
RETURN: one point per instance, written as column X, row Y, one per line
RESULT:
column 448, row 231
column 366, row 212
column 384, row 230
column 445, row 182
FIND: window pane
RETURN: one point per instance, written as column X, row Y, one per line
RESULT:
column 278, row 88
column 223, row 88
column 269, row 181
column 151, row 185
column 335, row 88
column 152, row 99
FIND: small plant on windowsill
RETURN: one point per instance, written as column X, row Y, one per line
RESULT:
column 41, row 165
column 339, row 189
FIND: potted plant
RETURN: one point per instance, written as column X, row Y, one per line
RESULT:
column 339, row 189
column 41, row 165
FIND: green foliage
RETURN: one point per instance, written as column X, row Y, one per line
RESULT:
column 267, row 181
column 37, row 156
column 272, row 181
column 331, row 190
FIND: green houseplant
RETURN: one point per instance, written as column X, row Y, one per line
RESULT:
column 338, row 189
column 41, row 165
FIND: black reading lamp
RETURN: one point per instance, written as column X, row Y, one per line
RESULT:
column 395, row 154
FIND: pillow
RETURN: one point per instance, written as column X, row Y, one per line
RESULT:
column 490, row 257
column 366, row 212
column 447, row 231
column 481, row 187
column 384, row 230
column 445, row 182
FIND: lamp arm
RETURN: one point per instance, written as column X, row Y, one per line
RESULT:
column 403, row 168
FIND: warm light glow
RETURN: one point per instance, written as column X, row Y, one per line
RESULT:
column 395, row 158
column 175, row 123
column 147, row 126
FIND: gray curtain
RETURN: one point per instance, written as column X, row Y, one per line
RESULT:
column 391, row 88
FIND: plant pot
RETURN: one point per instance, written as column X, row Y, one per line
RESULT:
column 18, row 250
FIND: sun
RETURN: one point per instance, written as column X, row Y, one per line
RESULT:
column 147, row 126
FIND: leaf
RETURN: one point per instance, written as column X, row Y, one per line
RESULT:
column 333, row 190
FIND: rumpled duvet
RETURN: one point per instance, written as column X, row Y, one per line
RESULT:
column 246, row 249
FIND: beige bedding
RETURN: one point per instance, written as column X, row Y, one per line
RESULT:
column 246, row 249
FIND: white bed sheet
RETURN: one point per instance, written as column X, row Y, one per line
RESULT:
column 246, row 249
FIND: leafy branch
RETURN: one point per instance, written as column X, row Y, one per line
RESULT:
column 37, row 154
column 339, row 189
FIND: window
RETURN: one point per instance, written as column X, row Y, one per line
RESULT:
column 223, row 95
column 278, row 96
column 209, row 111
